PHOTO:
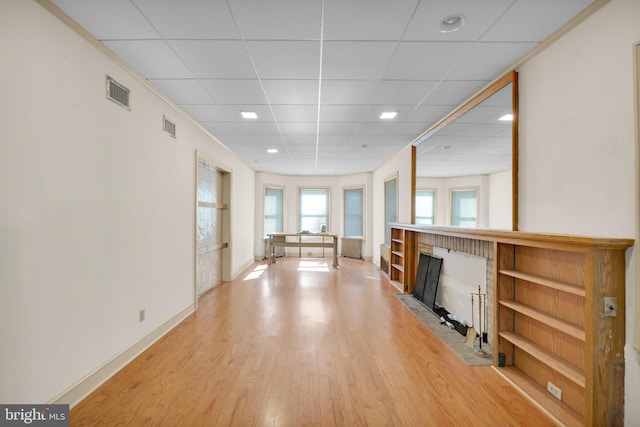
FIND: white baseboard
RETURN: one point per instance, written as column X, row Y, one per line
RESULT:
column 74, row 394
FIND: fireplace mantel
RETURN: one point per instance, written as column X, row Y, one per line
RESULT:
column 548, row 308
column 507, row 236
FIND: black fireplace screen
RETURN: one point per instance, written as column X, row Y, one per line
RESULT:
column 427, row 279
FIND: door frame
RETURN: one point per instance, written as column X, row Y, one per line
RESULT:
column 226, row 219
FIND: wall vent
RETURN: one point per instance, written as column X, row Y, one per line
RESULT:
column 118, row 93
column 168, row 126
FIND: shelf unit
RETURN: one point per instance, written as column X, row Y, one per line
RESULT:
column 549, row 315
column 403, row 259
column 551, row 327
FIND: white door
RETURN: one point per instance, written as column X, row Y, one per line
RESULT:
column 209, row 228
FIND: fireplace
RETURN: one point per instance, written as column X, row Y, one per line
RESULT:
column 460, row 256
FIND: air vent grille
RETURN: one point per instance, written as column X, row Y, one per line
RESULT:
column 168, row 126
column 118, row 93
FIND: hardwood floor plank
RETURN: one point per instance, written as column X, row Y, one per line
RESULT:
column 300, row 343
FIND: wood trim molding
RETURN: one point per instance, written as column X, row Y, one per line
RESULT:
column 636, row 325
column 413, row 184
column 510, row 77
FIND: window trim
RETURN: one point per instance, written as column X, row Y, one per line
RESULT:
column 435, row 202
column 364, row 209
column 313, row 187
column 284, row 212
column 384, row 191
column 465, row 188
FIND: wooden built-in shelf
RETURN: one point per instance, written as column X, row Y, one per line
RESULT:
column 573, row 373
column 557, row 324
column 548, row 321
column 538, row 394
column 403, row 259
column 554, row 284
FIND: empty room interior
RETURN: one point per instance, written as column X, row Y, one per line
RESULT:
column 321, row 212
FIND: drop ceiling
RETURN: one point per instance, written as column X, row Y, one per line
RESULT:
column 318, row 73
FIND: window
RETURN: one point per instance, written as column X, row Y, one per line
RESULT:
column 354, row 212
column 425, row 206
column 464, row 207
column 313, row 209
column 390, row 207
column 273, row 207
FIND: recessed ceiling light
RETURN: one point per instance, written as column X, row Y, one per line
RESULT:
column 388, row 115
column 451, row 23
column 272, row 150
column 249, row 114
column 506, row 118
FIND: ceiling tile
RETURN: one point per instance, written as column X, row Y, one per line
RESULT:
column 356, row 60
column 367, row 19
column 341, row 113
column 336, row 128
column 425, row 61
column 401, row 92
column 291, row 91
column 230, row 91
column 347, row 91
column 258, row 128
column 202, row 57
column 153, row 59
column 278, row 19
column 286, row 59
column 295, row 113
column 299, row 128
column 111, row 20
column 189, row 19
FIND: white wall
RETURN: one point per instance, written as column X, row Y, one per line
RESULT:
column 291, row 184
column 578, row 147
column 98, row 208
column 460, row 276
column 400, row 166
column 500, row 200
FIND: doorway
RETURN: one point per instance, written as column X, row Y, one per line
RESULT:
column 212, row 225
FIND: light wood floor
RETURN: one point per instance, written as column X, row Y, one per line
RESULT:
column 297, row 344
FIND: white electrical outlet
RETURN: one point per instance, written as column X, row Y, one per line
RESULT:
column 554, row 390
column 142, row 313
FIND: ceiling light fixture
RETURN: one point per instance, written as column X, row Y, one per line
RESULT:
column 451, row 23
column 249, row 115
column 272, row 150
column 507, row 118
column 388, row 115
